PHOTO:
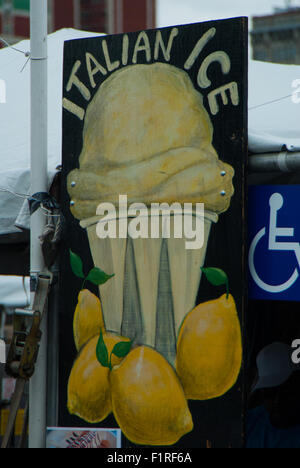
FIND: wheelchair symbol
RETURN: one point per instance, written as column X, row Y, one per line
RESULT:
column 276, row 202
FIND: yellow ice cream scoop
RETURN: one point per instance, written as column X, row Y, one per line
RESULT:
column 148, row 135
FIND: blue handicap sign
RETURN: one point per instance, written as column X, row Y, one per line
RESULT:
column 274, row 242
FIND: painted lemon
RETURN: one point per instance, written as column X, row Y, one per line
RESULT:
column 88, row 318
column 148, row 400
column 209, row 349
column 88, row 388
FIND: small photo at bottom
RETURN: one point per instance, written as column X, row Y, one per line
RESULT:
column 79, row 438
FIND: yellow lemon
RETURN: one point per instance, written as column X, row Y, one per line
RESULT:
column 88, row 318
column 209, row 349
column 88, row 387
column 148, row 400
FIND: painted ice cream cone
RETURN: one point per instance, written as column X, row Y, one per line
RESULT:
column 148, row 136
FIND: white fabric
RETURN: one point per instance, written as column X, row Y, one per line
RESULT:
column 276, row 124
column 271, row 126
column 12, row 292
column 15, row 124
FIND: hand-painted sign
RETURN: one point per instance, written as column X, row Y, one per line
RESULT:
column 154, row 146
column 274, row 235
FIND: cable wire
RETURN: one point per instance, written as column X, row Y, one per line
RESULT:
column 29, row 197
column 271, row 102
column 27, row 54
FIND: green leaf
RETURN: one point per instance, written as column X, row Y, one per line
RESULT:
column 216, row 277
column 76, row 265
column 122, row 349
column 101, row 352
column 97, row 276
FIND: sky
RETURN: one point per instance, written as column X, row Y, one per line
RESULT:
column 173, row 12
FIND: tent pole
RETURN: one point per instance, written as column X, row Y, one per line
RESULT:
column 285, row 161
column 39, row 183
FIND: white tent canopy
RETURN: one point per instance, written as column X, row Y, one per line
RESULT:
column 15, row 124
column 14, row 291
column 274, row 119
column 274, row 115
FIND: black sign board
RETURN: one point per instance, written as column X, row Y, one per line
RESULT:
column 153, row 271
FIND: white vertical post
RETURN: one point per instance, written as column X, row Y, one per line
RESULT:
column 39, row 183
column 111, row 16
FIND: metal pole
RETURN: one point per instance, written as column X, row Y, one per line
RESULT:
column 52, row 381
column 39, row 183
column 275, row 162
